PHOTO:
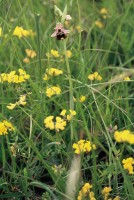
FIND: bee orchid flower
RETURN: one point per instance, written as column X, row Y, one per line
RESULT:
column 60, row 33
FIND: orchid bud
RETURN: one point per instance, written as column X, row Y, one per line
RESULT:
column 68, row 18
column 58, row 13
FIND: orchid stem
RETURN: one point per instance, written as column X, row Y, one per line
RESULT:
column 70, row 86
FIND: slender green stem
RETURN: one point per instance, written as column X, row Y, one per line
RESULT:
column 37, row 16
column 70, row 86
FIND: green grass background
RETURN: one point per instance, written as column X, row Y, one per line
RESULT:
column 110, row 51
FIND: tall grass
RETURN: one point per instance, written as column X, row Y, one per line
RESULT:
column 39, row 163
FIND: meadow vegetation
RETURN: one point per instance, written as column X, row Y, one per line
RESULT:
column 67, row 100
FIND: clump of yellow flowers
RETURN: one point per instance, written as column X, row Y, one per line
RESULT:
column 83, row 146
column 81, row 99
column 55, row 54
column 99, row 24
column 104, row 13
column 106, row 193
column 20, row 32
column 124, row 136
column 95, row 76
column 12, row 77
column 53, row 90
column 86, row 192
column 30, row 54
column 60, row 122
column 68, row 116
column 5, row 126
column 127, row 78
column 52, row 72
column 22, row 101
column 128, row 164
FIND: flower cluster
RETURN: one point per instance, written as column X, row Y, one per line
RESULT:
column 5, row 126
column 99, row 24
column 12, row 77
column 95, row 76
column 22, row 101
column 68, row 116
column 60, row 122
column 106, row 193
column 124, row 136
column 52, row 72
column 127, row 78
column 55, row 54
column 83, row 146
column 104, row 13
column 30, row 54
column 86, row 192
column 81, row 99
column 128, row 164
column 58, row 125
column 20, row 32
column 53, row 90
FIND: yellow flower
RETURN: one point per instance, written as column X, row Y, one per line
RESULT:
column 82, row 98
column 20, row 32
column 83, row 146
column 21, row 101
column 5, row 126
column 26, row 60
column 55, row 53
column 48, row 121
column 3, row 129
column 52, row 72
column 12, row 77
column 106, row 192
column 59, row 124
column 30, row 53
column 124, row 136
column 63, row 113
column 0, row 31
column 11, row 106
column 127, row 78
column 104, row 11
column 128, row 165
column 69, row 53
column 3, row 77
column 95, row 76
column 85, row 191
column 91, row 196
column 99, row 24
column 72, row 113
column 86, row 188
column 91, row 77
column 54, row 90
